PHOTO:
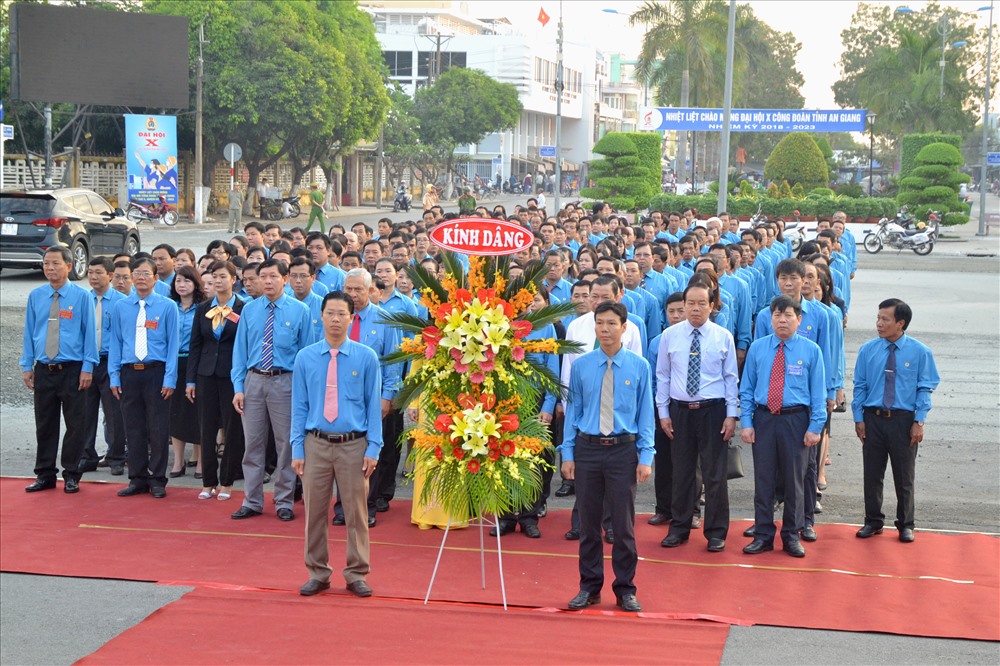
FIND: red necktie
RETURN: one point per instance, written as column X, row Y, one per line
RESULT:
column 356, row 329
column 330, row 403
column 776, row 387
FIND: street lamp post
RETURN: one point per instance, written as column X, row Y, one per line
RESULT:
column 986, row 127
column 943, row 29
column 871, row 152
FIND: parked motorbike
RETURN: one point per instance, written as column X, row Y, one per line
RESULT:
column 161, row 212
column 295, row 206
column 891, row 233
column 795, row 233
column 402, row 200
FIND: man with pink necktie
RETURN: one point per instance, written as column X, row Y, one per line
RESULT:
column 336, row 435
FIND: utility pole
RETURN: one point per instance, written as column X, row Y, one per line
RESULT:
column 47, row 112
column 199, row 158
column 727, row 109
column 559, row 94
column 986, row 131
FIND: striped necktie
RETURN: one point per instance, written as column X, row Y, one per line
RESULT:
column 694, row 364
column 267, row 347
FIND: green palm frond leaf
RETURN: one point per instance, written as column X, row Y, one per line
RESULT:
column 549, row 314
column 425, row 281
column 400, row 357
column 533, row 273
column 406, row 322
column 453, row 266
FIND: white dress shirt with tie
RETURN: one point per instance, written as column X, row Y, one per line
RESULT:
column 583, row 329
column 719, row 373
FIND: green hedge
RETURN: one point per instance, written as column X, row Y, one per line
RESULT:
column 650, row 151
column 821, row 206
column 797, row 159
column 913, row 143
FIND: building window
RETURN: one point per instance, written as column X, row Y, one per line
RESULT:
column 400, row 63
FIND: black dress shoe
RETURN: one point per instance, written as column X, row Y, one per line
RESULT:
column 572, row 535
column 794, row 548
column 628, row 603
column 285, row 515
column 244, row 512
column 103, row 462
column 338, row 520
column 658, row 519
column 71, row 486
column 39, row 485
column 566, row 489
column 117, row 470
column 371, row 521
column 504, row 528
column 313, row 587
column 132, row 489
column 906, row 535
column 716, row 545
column 749, row 532
column 531, row 531
column 809, row 533
column 178, row 473
column 582, row 600
column 758, row 546
column 818, row 508
column 672, row 541
column 868, row 531
column 359, row 588
column 84, row 467
column 609, row 536
column 381, row 505
column 158, row 492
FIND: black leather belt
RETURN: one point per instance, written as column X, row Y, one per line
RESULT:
column 273, row 372
column 794, row 409
column 338, row 437
column 58, row 367
column 610, row 440
column 700, row 404
column 144, row 366
column 887, row 413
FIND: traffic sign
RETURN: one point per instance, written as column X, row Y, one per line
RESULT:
column 993, row 159
column 546, row 151
column 232, row 152
column 8, row 132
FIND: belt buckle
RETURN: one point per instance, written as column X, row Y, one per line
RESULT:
column 606, row 441
column 694, row 405
column 52, row 367
column 138, row 366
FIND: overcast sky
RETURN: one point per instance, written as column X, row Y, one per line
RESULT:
column 817, row 24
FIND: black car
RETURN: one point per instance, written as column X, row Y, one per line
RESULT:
column 33, row 220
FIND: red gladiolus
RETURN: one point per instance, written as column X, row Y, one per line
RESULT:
column 443, row 422
column 489, row 400
column 507, row 448
column 458, row 452
column 517, row 353
column 466, row 401
column 443, row 311
column 472, row 466
column 438, row 453
column 485, row 294
column 463, row 296
column 508, row 309
column 521, row 328
column 493, row 455
column 509, row 422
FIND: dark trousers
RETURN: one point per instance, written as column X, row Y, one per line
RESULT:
column 529, row 515
column 809, row 483
column 663, row 472
column 99, row 398
column 606, row 474
column 779, row 450
column 888, row 439
column 214, row 399
column 58, row 391
column 147, row 425
column 388, row 459
column 697, row 437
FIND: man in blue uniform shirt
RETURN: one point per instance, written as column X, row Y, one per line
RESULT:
column 894, row 377
column 142, row 364
column 783, row 411
column 336, row 436
column 607, row 448
column 320, row 247
column 271, row 331
column 301, row 278
column 60, row 352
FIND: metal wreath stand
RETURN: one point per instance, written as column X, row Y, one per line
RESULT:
column 482, row 523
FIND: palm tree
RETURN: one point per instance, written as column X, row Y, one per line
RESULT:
column 695, row 31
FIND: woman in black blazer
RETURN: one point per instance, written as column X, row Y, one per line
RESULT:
column 210, row 360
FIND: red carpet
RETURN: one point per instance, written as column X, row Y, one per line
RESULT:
column 843, row 584
column 221, row 626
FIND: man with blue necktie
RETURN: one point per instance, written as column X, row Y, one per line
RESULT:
column 607, row 448
column 894, row 377
column 271, row 331
column 142, row 364
column 60, row 352
column 336, row 436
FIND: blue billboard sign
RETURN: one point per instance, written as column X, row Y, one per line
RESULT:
column 151, row 157
column 753, row 120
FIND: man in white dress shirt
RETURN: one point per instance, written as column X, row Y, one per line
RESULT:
column 583, row 329
column 697, row 401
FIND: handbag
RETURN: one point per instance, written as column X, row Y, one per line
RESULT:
column 734, row 463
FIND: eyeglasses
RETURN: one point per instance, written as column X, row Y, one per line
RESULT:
column 142, row 274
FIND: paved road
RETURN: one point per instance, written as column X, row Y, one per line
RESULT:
column 955, row 300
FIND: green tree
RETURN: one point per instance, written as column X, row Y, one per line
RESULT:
column 621, row 178
column 463, row 106
column 797, row 159
column 934, row 183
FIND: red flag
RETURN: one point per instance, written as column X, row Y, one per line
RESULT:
column 543, row 18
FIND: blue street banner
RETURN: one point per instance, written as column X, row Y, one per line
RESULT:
column 151, row 156
column 753, row 120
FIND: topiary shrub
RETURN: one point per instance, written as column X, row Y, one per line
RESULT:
column 821, row 192
column 798, row 192
column 914, row 143
column 649, row 151
column 746, row 189
column 621, row 178
column 934, row 182
column 773, row 192
column 797, row 159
